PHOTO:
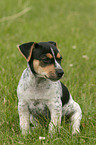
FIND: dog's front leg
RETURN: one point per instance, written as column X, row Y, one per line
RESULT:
column 24, row 117
column 56, row 114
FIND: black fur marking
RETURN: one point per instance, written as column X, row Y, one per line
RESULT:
column 31, row 66
column 52, row 42
column 65, row 94
column 25, row 49
column 39, row 52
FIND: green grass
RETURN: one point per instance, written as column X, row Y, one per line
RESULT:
column 72, row 24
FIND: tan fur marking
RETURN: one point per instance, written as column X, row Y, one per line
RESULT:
column 58, row 55
column 49, row 55
column 36, row 65
column 48, row 70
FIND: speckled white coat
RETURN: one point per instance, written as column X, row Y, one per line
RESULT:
column 33, row 89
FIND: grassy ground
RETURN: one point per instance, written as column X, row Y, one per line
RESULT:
column 72, row 24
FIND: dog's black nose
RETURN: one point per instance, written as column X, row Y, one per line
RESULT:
column 60, row 73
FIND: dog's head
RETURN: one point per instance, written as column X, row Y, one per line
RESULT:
column 44, row 59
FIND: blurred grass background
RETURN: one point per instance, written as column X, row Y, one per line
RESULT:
column 72, row 24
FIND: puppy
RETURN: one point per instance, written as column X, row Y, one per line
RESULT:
column 40, row 90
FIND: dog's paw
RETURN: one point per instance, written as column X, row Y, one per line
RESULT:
column 52, row 128
column 75, row 131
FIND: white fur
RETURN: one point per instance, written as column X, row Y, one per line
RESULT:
column 73, row 109
column 46, row 92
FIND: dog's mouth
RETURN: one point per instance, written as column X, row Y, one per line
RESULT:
column 53, row 78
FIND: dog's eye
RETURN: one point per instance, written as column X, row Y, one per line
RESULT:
column 47, row 60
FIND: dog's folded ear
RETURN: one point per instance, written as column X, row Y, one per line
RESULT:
column 26, row 50
column 54, row 43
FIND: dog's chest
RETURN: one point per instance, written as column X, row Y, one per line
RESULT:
column 31, row 89
column 40, row 92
